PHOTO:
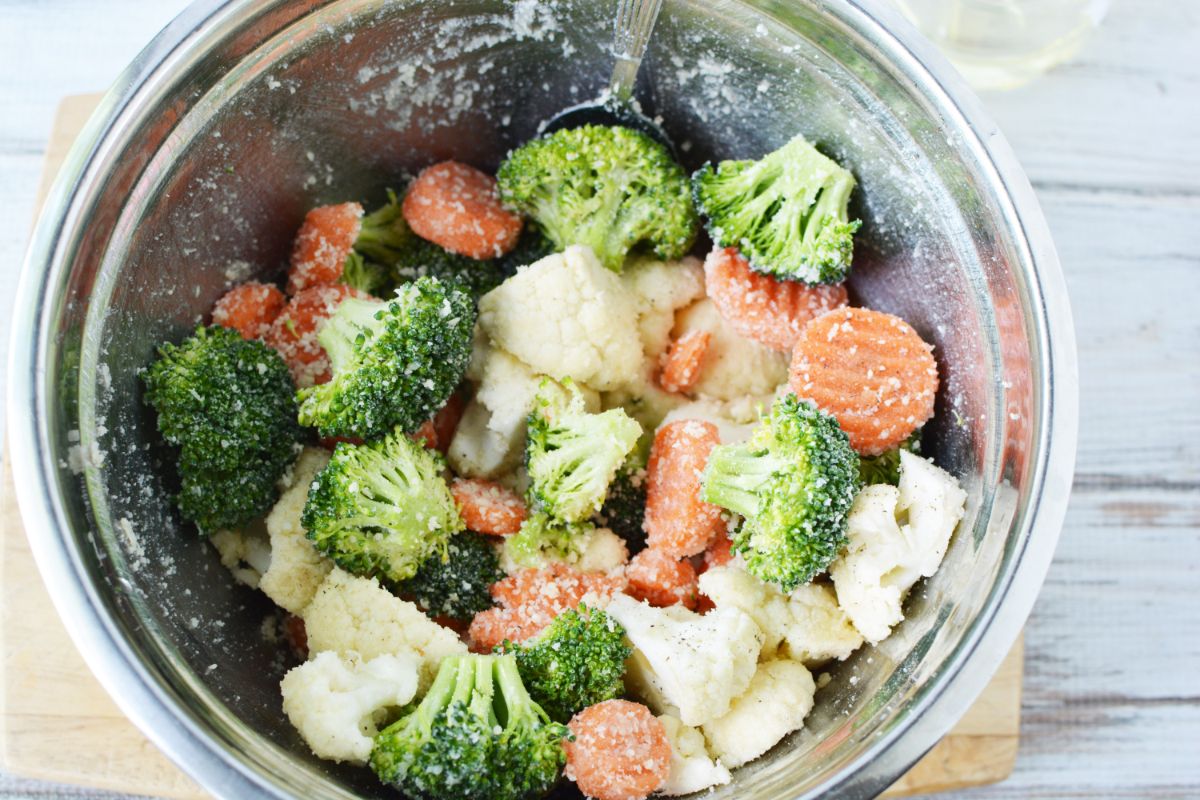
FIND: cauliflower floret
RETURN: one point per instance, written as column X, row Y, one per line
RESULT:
column 896, row 537
column 351, row 614
column 567, row 316
column 807, row 623
column 661, row 288
column 778, row 700
column 692, row 768
column 338, row 703
column 687, row 664
column 478, row 451
column 246, row 553
column 734, row 366
column 597, row 550
column 296, row 568
column 490, row 438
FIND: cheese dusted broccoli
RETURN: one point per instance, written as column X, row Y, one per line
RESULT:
column 787, row 212
column 613, row 189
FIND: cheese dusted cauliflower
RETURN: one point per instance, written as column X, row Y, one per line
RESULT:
column 567, row 316
column 686, row 664
column 594, row 550
column 351, row 614
column 338, row 703
column 897, row 535
column 776, row 703
column 296, row 568
column 732, row 426
column 661, row 288
column 692, row 768
column 734, row 365
column 246, row 553
column 490, row 438
column 806, row 624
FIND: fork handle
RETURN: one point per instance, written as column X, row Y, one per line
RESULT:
column 631, row 34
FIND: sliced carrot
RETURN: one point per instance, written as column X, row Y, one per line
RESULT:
column 325, row 239
column 677, row 521
column 488, row 507
column 249, row 309
column 683, row 361
column 620, row 751
column 661, row 580
column 719, row 553
column 457, row 206
column 294, row 331
column 759, row 307
column 531, row 599
column 426, row 435
column 871, row 371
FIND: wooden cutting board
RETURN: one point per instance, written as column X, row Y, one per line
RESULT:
column 58, row 724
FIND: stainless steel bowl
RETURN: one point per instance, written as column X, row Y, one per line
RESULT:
column 199, row 166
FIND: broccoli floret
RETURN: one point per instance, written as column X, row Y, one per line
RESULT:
column 624, row 508
column 794, row 482
column 477, row 735
column 456, row 584
column 576, row 662
column 885, row 467
column 382, row 509
column 420, row 258
column 572, row 456
column 786, row 212
column 543, row 538
column 229, row 404
column 380, row 242
column 394, row 362
column 607, row 187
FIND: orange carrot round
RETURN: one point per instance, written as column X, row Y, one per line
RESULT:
column 531, row 599
column 249, row 309
column 294, row 331
column 661, row 580
column 871, row 371
column 457, row 206
column 488, row 507
column 620, row 751
column 677, row 521
column 683, row 361
column 759, row 307
column 326, row 237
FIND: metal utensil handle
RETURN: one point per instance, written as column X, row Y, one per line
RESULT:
column 631, row 33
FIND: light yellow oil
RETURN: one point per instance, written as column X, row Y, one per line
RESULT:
column 1002, row 44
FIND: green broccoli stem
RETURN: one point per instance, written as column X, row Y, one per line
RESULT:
column 520, row 710
column 476, row 689
column 441, row 693
column 355, row 318
column 383, row 234
column 734, row 476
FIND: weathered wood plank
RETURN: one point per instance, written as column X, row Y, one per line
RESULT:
column 1132, row 276
column 1122, row 115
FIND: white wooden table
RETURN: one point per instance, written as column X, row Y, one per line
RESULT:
column 1112, row 143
